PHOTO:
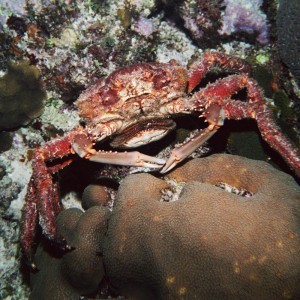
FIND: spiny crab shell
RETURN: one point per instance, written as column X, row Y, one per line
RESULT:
column 134, row 94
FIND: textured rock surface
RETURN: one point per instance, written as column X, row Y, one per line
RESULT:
column 211, row 243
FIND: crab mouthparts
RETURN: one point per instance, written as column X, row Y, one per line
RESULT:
column 143, row 133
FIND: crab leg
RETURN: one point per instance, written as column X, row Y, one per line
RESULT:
column 210, row 60
column 42, row 198
column 83, row 147
column 268, row 128
column 178, row 154
column 133, row 158
column 256, row 108
column 207, row 98
column 272, row 134
column 29, row 222
column 215, row 116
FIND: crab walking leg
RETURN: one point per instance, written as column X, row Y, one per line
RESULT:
column 272, row 134
column 133, row 158
column 28, row 224
column 256, row 108
column 268, row 128
column 210, row 60
column 220, row 92
column 42, row 199
column 178, row 154
column 29, row 219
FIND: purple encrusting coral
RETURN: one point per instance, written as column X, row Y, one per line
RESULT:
column 144, row 26
column 192, row 26
column 245, row 15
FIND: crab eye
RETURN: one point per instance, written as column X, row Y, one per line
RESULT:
column 109, row 96
column 160, row 80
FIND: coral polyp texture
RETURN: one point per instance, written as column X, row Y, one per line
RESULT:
column 21, row 95
column 132, row 107
column 78, row 272
column 210, row 243
column 243, row 15
column 221, row 227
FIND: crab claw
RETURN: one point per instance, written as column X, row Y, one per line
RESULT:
column 183, row 151
column 215, row 116
column 133, row 158
column 83, row 147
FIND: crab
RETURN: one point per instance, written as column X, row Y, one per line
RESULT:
column 134, row 106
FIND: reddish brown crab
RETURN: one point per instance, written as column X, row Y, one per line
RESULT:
column 134, row 105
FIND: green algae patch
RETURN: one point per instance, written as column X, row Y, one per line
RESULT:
column 21, row 95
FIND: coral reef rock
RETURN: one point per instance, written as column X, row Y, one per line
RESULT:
column 233, row 233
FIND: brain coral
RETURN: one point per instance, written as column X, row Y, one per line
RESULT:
column 21, row 95
column 211, row 243
column 222, row 227
column 78, row 272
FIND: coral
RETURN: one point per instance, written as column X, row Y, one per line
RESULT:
column 243, row 15
column 228, row 236
column 5, row 140
column 79, row 271
column 288, row 29
column 95, row 195
column 11, row 283
column 7, row 7
column 144, row 27
column 9, row 190
column 202, row 19
column 21, row 95
column 209, row 229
